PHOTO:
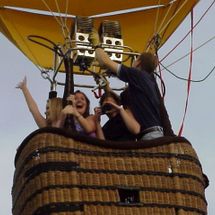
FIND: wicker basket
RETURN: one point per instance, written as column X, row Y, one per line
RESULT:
column 63, row 174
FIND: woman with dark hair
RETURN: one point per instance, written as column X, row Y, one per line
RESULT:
column 121, row 125
column 56, row 114
column 80, row 110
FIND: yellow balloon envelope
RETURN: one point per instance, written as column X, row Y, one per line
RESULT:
column 140, row 21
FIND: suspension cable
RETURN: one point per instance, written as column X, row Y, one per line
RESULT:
column 60, row 21
column 188, row 32
column 156, row 18
column 64, row 27
column 181, row 58
column 189, row 78
column 47, row 6
column 185, row 79
column 162, row 85
column 170, row 6
column 66, row 10
column 172, row 17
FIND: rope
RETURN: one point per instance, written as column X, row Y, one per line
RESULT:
column 56, row 18
column 188, row 32
column 171, row 4
column 161, row 78
column 59, row 12
column 156, row 18
column 172, row 17
column 60, row 21
column 185, row 79
column 64, row 27
column 162, row 26
column 153, row 43
column 66, row 10
column 189, row 78
column 181, row 58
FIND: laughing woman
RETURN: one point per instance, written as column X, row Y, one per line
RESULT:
column 56, row 114
column 80, row 110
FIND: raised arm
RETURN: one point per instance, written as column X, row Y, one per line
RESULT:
column 32, row 105
column 101, row 56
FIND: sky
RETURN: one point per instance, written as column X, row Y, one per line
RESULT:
column 16, row 121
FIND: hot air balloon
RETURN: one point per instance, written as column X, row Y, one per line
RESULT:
column 61, row 172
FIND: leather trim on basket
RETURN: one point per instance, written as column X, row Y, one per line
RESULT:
column 58, row 207
column 113, row 154
column 72, row 166
column 103, row 143
column 74, row 206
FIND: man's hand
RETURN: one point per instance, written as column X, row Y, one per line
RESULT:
column 101, row 56
column 94, row 38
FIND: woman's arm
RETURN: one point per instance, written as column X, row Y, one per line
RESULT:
column 60, row 121
column 128, row 118
column 88, row 123
column 99, row 131
column 32, row 105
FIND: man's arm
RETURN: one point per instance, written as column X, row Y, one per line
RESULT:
column 105, row 61
column 101, row 56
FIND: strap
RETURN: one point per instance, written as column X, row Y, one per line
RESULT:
column 189, row 78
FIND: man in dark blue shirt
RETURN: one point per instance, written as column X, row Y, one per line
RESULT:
column 144, row 97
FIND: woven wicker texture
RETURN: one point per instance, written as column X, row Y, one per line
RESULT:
column 59, row 175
